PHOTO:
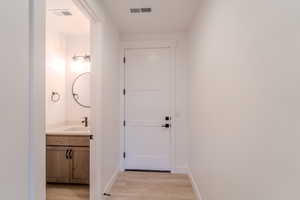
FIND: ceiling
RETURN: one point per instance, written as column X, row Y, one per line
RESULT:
column 76, row 24
column 167, row 15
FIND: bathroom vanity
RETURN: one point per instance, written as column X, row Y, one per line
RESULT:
column 68, row 155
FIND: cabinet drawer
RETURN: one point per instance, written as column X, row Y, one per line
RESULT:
column 79, row 141
column 82, row 141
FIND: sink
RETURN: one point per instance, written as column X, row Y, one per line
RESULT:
column 77, row 129
column 69, row 130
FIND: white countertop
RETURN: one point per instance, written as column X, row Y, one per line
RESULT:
column 72, row 130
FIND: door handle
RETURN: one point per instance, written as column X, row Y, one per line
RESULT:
column 166, row 125
column 67, row 154
column 70, row 154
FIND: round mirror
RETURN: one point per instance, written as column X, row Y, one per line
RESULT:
column 81, row 90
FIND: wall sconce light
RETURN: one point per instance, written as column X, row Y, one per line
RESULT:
column 85, row 58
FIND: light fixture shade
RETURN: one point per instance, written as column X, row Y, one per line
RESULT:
column 81, row 64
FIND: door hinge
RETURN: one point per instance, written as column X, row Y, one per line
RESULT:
column 124, row 123
column 124, row 59
column 124, row 91
column 124, row 155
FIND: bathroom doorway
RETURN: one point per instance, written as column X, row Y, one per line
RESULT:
column 68, row 135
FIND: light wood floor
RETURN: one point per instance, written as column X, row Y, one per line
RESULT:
column 67, row 192
column 152, row 186
column 132, row 186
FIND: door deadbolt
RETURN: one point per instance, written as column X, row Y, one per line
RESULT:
column 167, row 118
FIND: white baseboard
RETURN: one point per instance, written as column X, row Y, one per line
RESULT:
column 181, row 170
column 99, row 196
column 108, row 185
column 111, row 181
column 195, row 185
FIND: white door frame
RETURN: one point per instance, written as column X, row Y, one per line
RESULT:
column 37, row 138
column 146, row 45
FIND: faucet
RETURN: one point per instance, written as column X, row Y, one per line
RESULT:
column 85, row 121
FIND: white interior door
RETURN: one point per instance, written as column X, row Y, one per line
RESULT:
column 147, row 104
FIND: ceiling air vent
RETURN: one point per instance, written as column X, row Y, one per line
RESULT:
column 135, row 10
column 140, row 10
column 60, row 12
column 146, row 10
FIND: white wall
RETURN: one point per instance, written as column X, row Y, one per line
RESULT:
column 181, row 134
column 75, row 45
column 244, row 100
column 55, row 77
column 14, row 102
column 60, row 48
column 105, row 100
column 110, row 120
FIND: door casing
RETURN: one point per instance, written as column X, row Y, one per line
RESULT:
column 37, row 154
column 144, row 45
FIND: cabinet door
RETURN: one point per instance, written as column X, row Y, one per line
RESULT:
column 80, row 165
column 58, row 165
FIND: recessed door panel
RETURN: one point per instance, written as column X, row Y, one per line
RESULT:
column 58, row 165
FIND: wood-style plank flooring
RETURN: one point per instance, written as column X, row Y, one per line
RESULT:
column 67, row 192
column 152, row 186
column 132, row 186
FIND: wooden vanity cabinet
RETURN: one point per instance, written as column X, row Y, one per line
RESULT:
column 68, row 159
column 58, row 166
column 80, row 165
